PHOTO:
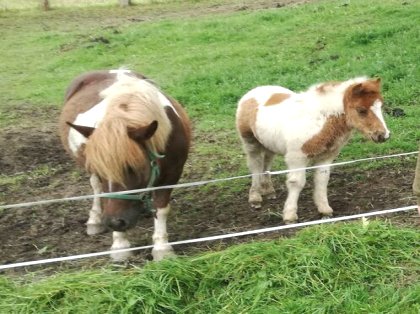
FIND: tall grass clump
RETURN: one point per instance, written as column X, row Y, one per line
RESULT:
column 342, row 268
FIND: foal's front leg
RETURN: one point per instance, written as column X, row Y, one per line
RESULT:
column 321, row 178
column 94, row 224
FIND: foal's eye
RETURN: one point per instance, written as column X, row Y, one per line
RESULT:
column 362, row 111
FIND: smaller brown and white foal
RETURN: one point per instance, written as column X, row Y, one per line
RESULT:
column 306, row 128
column 128, row 135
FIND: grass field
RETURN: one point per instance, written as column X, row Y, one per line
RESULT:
column 208, row 61
column 343, row 268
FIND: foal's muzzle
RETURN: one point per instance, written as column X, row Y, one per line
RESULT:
column 379, row 137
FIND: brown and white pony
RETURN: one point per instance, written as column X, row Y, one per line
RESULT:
column 114, row 123
column 306, row 128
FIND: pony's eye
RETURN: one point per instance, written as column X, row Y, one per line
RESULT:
column 362, row 111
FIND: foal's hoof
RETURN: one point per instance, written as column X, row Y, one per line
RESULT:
column 93, row 229
column 161, row 252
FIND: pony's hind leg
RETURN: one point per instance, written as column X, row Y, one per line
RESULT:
column 295, row 182
column 94, row 224
column 267, row 188
column 255, row 160
column 321, row 178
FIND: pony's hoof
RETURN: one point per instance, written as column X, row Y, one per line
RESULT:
column 120, row 256
column 290, row 218
column 161, row 252
column 93, row 229
column 255, row 205
column 326, row 212
column 271, row 196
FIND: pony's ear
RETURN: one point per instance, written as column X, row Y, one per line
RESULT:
column 357, row 89
column 377, row 81
column 143, row 133
column 86, row 131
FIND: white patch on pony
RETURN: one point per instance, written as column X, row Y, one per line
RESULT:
column 263, row 93
column 94, row 223
column 377, row 110
column 120, row 71
column 279, row 128
column 120, row 241
column 161, row 249
column 90, row 118
column 166, row 103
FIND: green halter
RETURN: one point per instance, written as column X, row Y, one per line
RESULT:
column 145, row 197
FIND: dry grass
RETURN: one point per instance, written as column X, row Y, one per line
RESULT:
column 32, row 4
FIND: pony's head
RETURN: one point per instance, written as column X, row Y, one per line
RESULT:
column 363, row 109
column 118, row 150
column 126, row 166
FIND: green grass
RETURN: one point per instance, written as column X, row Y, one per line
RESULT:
column 209, row 62
column 342, row 268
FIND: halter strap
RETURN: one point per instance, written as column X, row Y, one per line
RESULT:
column 145, row 197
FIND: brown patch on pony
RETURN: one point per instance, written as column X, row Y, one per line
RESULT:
column 277, row 98
column 246, row 118
column 329, row 139
column 110, row 152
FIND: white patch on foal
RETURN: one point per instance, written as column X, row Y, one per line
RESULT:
column 377, row 110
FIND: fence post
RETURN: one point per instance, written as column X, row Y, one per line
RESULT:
column 125, row 3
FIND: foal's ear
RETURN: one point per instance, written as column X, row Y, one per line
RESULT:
column 143, row 133
column 86, row 131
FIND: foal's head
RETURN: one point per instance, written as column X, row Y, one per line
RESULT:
column 363, row 109
column 121, row 162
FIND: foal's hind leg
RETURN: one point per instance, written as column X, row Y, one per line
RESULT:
column 255, row 159
column 295, row 182
column 94, row 224
column 267, row 188
column 321, row 178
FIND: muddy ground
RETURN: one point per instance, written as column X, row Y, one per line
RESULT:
column 31, row 154
column 39, row 232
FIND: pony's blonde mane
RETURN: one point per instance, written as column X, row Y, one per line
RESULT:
column 132, row 103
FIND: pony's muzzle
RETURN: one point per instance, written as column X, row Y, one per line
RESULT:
column 123, row 221
column 117, row 224
column 380, row 137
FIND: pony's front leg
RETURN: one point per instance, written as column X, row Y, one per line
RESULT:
column 321, row 178
column 161, row 248
column 120, row 241
column 94, row 224
column 295, row 182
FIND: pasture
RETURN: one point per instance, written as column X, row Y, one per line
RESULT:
column 207, row 54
